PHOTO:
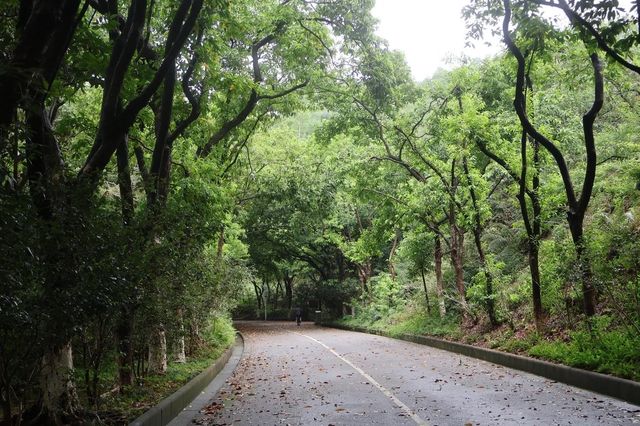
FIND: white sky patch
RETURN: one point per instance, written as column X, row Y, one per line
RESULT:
column 430, row 33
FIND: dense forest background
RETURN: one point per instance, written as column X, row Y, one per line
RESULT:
column 166, row 164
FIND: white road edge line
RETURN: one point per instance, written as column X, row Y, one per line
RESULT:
column 371, row 380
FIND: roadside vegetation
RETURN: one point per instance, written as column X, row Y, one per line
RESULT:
column 122, row 406
column 164, row 165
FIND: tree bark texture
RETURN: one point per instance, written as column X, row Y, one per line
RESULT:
column 158, row 350
column 181, row 355
column 59, row 399
column 439, row 279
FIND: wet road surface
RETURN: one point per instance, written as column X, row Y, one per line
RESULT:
column 309, row 375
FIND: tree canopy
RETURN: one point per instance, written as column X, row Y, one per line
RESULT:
column 165, row 165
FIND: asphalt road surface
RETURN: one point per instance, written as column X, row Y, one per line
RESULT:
column 308, row 375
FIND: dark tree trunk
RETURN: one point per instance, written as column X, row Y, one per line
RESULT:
column 124, row 344
column 588, row 290
column 288, row 287
column 124, row 181
column 534, row 268
column 577, row 206
column 437, row 254
column 258, row 291
column 532, row 224
column 535, row 231
column 490, row 305
column 161, row 159
column 276, row 296
column 426, row 292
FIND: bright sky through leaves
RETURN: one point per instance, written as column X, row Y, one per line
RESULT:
column 429, row 32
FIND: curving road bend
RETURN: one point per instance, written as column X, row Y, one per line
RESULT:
column 309, row 375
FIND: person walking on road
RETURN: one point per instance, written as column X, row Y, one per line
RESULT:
column 298, row 316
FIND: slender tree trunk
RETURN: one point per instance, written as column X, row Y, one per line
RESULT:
column 439, row 280
column 364, row 273
column 490, row 303
column 124, row 344
column 276, row 295
column 426, row 292
column 392, row 253
column 534, row 268
column 588, row 290
column 258, row 291
column 158, row 350
column 288, row 287
column 181, row 355
column 577, row 205
column 477, row 238
column 534, row 241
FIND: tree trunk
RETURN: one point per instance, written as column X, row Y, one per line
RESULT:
column 477, row 238
column 124, row 343
column 588, row 290
column 277, row 295
column 439, row 280
column 124, row 180
column 577, row 206
column 46, row 184
column 288, row 288
column 457, row 254
column 258, row 291
column 392, row 253
column 534, row 268
column 364, row 273
column 158, row 351
column 426, row 293
column 181, row 355
column 457, row 245
column 59, row 399
column 489, row 302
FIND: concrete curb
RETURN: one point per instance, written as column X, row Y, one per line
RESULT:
column 625, row 390
column 170, row 407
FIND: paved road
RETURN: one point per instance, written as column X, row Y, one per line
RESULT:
column 308, row 375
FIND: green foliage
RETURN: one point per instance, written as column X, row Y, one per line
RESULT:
column 604, row 349
column 331, row 178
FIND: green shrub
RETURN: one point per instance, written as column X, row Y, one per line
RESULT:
column 614, row 351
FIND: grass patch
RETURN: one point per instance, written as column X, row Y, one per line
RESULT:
column 614, row 352
column 410, row 321
column 606, row 349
